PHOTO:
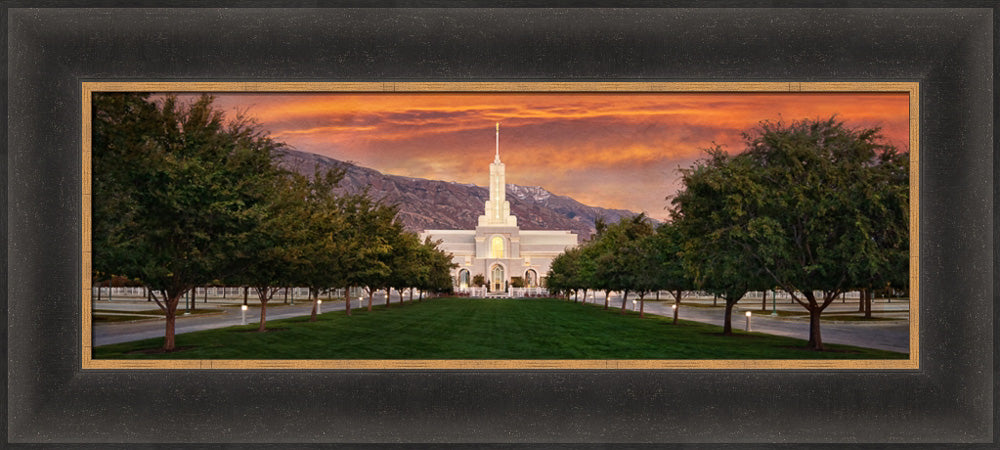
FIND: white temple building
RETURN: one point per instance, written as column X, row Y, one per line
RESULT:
column 497, row 248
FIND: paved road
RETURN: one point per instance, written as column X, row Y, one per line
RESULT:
column 889, row 335
column 115, row 332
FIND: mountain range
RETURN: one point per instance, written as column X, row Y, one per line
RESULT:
column 445, row 205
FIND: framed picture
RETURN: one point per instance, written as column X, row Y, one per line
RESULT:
column 943, row 393
column 424, row 131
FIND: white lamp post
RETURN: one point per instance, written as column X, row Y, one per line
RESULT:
column 748, row 321
column 319, row 306
column 243, row 313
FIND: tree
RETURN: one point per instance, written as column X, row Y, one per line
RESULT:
column 437, row 277
column 322, row 222
column 270, row 254
column 183, row 184
column 799, row 202
column 707, row 215
column 479, row 280
column 362, row 246
column 407, row 265
column 619, row 256
column 667, row 259
column 562, row 276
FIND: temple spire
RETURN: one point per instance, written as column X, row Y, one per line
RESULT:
column 497, row 208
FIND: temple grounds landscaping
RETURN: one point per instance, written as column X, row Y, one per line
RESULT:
column 461, row 328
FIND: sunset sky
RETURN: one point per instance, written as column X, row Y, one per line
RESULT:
column 603, row 149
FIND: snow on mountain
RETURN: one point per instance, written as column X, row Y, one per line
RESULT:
column 431, row 204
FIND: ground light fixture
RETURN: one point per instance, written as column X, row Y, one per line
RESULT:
column 243, row 313
column 359, row 301
column 748, row 321
column 319, row 306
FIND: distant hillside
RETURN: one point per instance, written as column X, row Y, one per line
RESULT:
column 431, row 204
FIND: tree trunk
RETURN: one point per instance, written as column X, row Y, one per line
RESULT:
column 246, row 291
column 168, row 339
column 99, row 291
column 264, row 297
column 624, row 300
column 715, row 300
column 286, row 295
column 868, row 304
column 642, row 305
column 421, row 297
column 677, row 304
column 727, row 328
column 861, row 300
column 205, row 299
column 194, row 298
column 315, row 295
column 763, row 302
column 347, row 300
column 371, row 298
column 815, row 339
column 411, row 294
column 171, row 318
column 607, row 297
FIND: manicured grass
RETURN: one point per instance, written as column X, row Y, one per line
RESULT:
column 454, row 328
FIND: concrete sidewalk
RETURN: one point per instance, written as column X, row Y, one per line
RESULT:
column 116, row 332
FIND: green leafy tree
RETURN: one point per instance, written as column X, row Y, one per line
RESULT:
column 799, row 201
column 437, row 276
column 184, row 185
column 562, row 276
column 406, row 266
column 322, row 222
column 718, row 195
column 270, row 255
column 620, row 256
column 362, row 248
column 667, row 260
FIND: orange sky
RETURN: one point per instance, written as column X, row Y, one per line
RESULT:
column 603, row 149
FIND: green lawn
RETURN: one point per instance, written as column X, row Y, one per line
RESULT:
column 454, row 328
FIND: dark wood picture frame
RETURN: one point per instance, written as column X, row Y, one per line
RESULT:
column 950, row 52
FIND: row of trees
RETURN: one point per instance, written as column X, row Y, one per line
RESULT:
column 813, row 208
column 184, row 198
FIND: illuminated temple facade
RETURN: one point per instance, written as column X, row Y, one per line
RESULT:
column 497, row 248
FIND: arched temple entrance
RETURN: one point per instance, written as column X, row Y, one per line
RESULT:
column 530, row 278
column 497, row 281
column 463, row 278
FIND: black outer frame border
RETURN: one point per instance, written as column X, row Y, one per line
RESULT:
column 950, row 399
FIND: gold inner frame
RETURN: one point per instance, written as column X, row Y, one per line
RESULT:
column 912, row 89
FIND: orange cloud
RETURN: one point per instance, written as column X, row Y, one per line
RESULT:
column 605, row 149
